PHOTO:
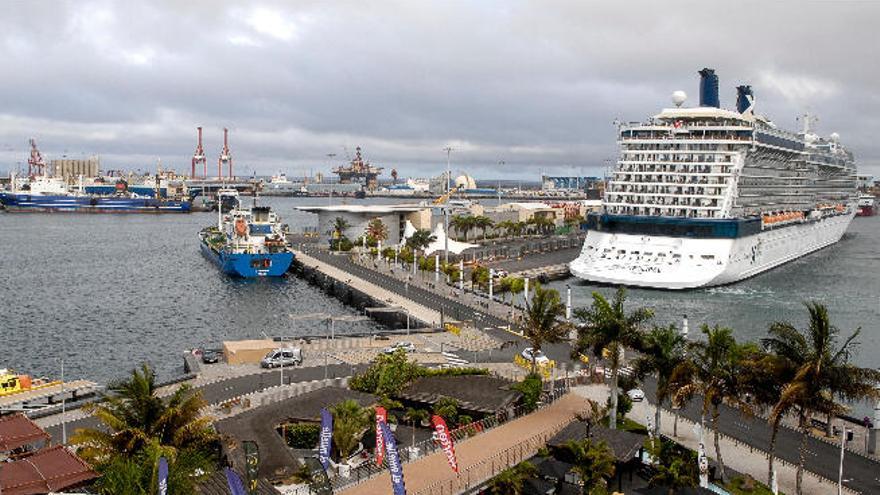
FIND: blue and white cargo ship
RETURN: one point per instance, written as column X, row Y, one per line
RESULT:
column 247, row 243
column 52, row 194
column 705, row 196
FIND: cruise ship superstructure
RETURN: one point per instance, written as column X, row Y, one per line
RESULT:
column 707, row 196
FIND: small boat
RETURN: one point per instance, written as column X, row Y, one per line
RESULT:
column 12, row 383
column 866, row 206
column 247, row 242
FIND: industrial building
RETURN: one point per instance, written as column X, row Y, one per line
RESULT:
column 71, row 169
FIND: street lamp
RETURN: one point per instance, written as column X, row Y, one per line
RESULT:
column 448, row 150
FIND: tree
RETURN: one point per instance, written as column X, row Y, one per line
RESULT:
column 663, row 350
column 462, row 224
column 542, row 224
column 511, row 480
column 387, row 375
column 712, row 371
column 543, row 320
column 508, row 226
column 415, row 416
column 675, row 468
column 138, row 427
column 483, row 223
column 593, row 462
column 377, row 230
column 350, row 422
column 339, row 227
column 607, row 326
column 823, row 372
column 420, row 239
column 480, row 276
column 447, row 408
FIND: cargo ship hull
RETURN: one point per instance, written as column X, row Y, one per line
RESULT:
column 18, row 202
column 246, row 265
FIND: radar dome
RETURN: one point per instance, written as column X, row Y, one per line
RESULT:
column 678, row 97
column 835, row 137
column 810, row 138
column 465, row 182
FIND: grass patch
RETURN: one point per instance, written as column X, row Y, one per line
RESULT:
column 747, row 486
column 626, row 424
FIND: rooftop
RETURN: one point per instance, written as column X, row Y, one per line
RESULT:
column 366, row 209
column 485, row 394
column 49, row 470
column 624, row 444
column 18, row 430
column 258, row 425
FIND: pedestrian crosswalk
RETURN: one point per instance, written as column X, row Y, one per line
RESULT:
column 453, row 360
column 623, row 371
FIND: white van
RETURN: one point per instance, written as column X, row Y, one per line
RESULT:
column 287, row 356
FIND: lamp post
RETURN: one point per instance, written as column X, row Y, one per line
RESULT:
column 491, row 282
column 436, row 268
column 448, row 151
column 568, row 301
column 63, row 408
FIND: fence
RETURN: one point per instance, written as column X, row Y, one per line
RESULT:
column 369, row 469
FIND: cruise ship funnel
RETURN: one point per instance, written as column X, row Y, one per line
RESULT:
column 745, row 99
column 709, row 88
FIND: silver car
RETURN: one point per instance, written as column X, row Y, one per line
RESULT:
column 406, row 346
column 289, row 356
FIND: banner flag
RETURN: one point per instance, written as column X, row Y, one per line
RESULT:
column 381, row 417
column 326, row 438
column 236, row 487
column 162, row 478
column 445, row 441
column 393, row 459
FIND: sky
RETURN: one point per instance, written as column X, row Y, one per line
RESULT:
column 515, row 88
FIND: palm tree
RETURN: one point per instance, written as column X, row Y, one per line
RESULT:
column 340, row 225
column 607, row 326
column 544, row 320
column 350, row 422
column 712, row 371
column 663, row 350
column 823, row 371
column 377, row 230
column 415, row 416
column 483, row 223
column 593, row 462
column 462, row 224
column 675, row 469
column 511, row 480
column 135, row 417
column 447, row 408
column 420, row 239
column 508, row 226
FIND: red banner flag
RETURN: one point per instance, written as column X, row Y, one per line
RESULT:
column 381, row 417
column 445, row 441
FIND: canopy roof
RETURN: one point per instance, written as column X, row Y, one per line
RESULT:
column 18, row 430
column 49, row 470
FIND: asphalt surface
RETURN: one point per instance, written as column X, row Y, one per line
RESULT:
column 859, row 473
column 217, row 392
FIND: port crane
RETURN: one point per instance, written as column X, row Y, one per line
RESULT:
column 36, row 165
column 225, row 156
column 199, row 157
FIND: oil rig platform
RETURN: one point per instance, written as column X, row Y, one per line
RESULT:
column 359, row 171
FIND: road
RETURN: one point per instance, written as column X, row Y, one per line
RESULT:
column 822, row 458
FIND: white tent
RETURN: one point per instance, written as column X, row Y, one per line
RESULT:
column 439, row 244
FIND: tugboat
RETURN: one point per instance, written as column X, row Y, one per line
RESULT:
column 247, row 243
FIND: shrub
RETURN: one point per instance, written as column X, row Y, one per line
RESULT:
column 531, row 389
column 302, row 435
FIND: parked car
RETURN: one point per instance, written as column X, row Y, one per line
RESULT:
column 287, row 356
column 406, row 346
column 636, row 395
column 540, row 358
column 210, row 356
column 501, row 273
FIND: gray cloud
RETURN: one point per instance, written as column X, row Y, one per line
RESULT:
column 535, row 84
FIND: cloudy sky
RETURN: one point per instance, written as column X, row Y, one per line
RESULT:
column 536, row 85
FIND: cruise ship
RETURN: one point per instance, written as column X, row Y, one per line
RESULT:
column 705, row 196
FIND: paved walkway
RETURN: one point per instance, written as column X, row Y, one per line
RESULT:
column 482, row 455
column 738, row 456
column 429, row 316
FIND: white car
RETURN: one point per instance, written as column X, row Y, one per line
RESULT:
column 406, row 346
column 290, row 356
column 636, row 395
column 539, row 356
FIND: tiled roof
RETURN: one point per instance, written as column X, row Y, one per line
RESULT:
column 18, row 430
column 479, row 393
column 49, row 470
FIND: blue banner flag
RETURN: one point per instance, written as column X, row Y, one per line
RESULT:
column 326, row 437
column 236, row 487
column 392, row 458
column 162, row 478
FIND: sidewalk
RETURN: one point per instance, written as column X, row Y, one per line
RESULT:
column 737, row 456
column 481, row 456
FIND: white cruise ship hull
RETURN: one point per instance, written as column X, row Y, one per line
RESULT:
column 686, row 263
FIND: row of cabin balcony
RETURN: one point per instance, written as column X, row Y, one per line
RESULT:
column 681, row 146
column 710, row 191
column 639, row 156
column 725, row 138
column 633, row 200
column 651, row 180
column 683, row 169
column 667, row 212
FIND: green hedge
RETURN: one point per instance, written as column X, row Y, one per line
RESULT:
column 302, row 435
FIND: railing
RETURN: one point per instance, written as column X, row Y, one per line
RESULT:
column 369, row 469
